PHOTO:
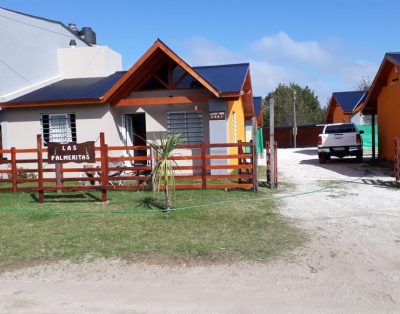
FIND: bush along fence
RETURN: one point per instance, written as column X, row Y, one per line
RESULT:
column 397, row 159
column 199, row 166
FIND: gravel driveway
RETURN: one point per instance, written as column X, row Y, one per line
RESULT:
column 351, row 265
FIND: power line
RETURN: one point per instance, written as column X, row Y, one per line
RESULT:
column 15, row 71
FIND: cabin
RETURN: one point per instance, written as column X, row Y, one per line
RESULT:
column 344, row 107
column 159, row 95
column 383, row 100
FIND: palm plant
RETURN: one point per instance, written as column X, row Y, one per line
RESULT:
column 163, row 172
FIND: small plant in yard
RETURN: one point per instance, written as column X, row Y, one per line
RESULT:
column 163, row 172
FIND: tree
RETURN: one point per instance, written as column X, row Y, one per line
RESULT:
column 308, row 109
column 163, row 173
column 364, row 85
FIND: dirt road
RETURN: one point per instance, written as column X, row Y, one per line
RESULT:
column 351, row 265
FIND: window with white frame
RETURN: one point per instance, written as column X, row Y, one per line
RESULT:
column 187, row 123
column 58, row 128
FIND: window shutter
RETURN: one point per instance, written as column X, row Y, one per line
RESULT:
column 45, row 128
column 73, row 126
column 187, row 123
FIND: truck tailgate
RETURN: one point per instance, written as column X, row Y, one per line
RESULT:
column 338, row 139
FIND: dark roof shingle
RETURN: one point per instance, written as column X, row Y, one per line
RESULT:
column 350, row 100
column 81, row 88
column 228, row 78
column 225, row 78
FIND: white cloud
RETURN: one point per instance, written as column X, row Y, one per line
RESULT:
column 283, row 46
column 201, row 51
column 279, row 58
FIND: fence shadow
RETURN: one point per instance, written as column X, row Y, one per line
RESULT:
column 68, row 198
column 382, row 183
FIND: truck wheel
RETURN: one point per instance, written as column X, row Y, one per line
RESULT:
column 322, row 158
column 359, row 157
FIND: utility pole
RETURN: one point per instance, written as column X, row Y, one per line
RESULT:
column 272, row 141
column 294, row 120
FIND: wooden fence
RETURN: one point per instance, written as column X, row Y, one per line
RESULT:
column 127, row 172
column 269, row 164
column 397, row 159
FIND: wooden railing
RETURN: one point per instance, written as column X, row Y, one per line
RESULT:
column 397, row 159
column 28, row 170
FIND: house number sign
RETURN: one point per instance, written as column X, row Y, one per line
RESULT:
column 217, row 115
column 71, row 152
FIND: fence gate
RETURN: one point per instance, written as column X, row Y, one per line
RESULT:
column 397, row 159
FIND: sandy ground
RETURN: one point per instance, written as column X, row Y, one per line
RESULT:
column 351, row 265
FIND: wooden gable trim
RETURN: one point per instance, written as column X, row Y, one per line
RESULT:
column 157, row 46
column 247, row 92
column 54, row 103
column 161, row 101
column 370, row 104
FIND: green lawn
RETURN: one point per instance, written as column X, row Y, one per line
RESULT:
column 207, row 226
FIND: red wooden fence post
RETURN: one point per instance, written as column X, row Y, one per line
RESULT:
column 239, row 151
column 103, row 167
column 14, row 169
column 203, row 166
column 40, row 167
column 254, row 165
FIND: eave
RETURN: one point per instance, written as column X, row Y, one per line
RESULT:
column 51, row 103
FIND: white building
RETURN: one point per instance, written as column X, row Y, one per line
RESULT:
column 36, row 52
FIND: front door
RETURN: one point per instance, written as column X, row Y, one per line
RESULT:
column 135, row 125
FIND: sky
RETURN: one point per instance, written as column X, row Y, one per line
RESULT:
column 328, row 46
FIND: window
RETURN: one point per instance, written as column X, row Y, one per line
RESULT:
column 340, row 128
column 58, row 128
column 187, row 123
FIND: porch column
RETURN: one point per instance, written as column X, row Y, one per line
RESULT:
column 373, row 136
column 218, row 130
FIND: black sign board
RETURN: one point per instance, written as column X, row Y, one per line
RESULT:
column 217, row 115
column 71, row 152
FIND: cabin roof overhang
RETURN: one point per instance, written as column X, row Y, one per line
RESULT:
column 370, row 106
column 118, row 86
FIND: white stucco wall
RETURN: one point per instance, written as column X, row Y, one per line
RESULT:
column 96, row 61
column 35, row 52
column 23, row 125
column 28, row 51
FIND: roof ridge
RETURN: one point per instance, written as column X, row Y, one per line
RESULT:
column 351, row 91
column 221, row 65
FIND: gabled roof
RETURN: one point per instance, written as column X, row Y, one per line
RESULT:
column 230, row 81
column 349, row 101
column 221, row 80
column 227, row 78
column 151, row 59
column 370, row 104
column 72, row 89
column 49, row 21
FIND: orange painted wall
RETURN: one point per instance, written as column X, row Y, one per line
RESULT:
column 236, row 107
column 389, row 115
column 339, row 116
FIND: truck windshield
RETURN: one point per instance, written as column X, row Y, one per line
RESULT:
column 340, row 128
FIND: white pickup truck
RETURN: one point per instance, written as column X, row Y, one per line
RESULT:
column 340, row 140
